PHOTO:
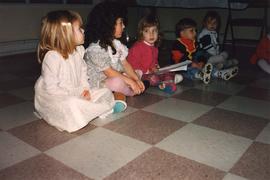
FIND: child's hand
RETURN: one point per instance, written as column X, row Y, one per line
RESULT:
column 86, row 95
column 153, row 70
column 141, row 85
column 134, row 86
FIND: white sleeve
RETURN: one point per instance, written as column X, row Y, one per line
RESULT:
column 84, row 75
column 50, row 69
column 122, row 49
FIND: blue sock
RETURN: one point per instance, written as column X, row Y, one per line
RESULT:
column 119, row 106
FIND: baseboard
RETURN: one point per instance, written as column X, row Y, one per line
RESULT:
column 18, row 47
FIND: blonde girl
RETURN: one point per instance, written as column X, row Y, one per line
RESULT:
column 62, row 94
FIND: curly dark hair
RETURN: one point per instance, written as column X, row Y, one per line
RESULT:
column 101, row 22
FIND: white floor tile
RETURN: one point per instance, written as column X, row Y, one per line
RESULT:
column 113, row 117
column 264, row 136
column 99, row 152
column 247, row 105
column 230, row 176
column 178, row 109
column 13, row 150
column 214, row 148
column 24, row 93
column 16, row 115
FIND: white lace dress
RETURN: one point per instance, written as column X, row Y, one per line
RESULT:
column 58, row 90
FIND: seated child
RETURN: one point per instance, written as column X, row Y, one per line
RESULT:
column 262, row 55
column 186, row 48
column 63, row 97
column 106, row 55
column 143, row 56
column 208, row 41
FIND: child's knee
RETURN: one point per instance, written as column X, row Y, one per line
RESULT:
column 115, row 83
column 114, row 80
column 169, row 77
column 224, row 54
column 216, row 59
column 154, row 80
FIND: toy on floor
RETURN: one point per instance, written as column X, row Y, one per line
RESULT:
column 167, row 87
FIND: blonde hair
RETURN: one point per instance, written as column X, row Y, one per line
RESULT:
column 57, row 33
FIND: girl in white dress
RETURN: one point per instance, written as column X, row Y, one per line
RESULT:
column 62, row 94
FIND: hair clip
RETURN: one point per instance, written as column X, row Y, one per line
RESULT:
column 65, row 23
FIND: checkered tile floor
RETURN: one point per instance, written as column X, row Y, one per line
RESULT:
column 219, row 131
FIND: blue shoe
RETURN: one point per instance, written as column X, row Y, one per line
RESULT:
column 119, row 106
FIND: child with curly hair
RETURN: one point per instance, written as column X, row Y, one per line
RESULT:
column 106, row 55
